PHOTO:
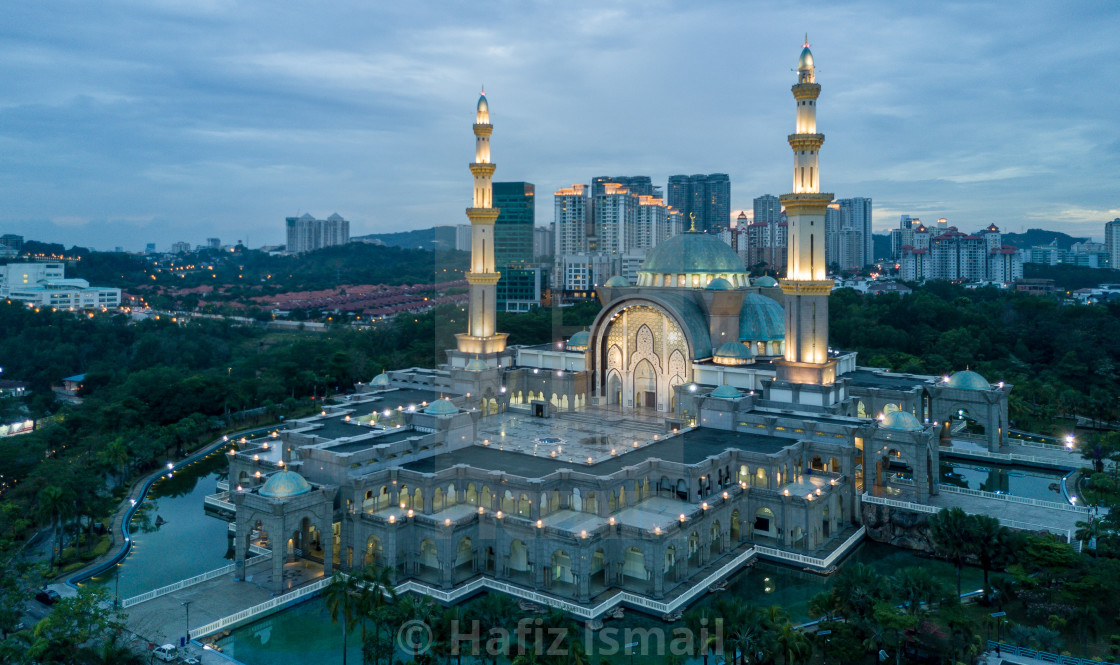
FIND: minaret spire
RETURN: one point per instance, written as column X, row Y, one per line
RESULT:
column 806, row 358
column 481, row 337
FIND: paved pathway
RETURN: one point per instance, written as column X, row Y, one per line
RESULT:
column 164, row 619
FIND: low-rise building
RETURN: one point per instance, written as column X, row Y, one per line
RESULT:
column 45, row 285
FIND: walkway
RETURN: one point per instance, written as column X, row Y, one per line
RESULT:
column 164, row 619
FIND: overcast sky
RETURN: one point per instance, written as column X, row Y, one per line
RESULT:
column 126, row 122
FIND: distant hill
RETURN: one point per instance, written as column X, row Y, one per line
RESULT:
column 439, row 237
column 1035, row 237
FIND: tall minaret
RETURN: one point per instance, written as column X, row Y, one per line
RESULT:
column 806, row 284
column 481, row 338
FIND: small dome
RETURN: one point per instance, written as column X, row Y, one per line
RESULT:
column 381, row 379
column 441, row 407
column 766, row 281
column 483, row 107
column 734, row 350
column 617, row 280
column 725, row 392
column 969, row 380
column 284, row 484
column 691, row 253
column 476, row 365
column 719, row 284
column 762, row 319
column 806, row 59
column 901, row 421
column 579, row 341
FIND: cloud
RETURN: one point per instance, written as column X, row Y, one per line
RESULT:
column 221, row 117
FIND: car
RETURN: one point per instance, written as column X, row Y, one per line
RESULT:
column 166, row 653
column 48, row 597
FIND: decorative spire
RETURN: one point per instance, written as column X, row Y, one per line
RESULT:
column 806, row 45
column 692, row 219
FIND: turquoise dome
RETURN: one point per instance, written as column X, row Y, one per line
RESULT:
column 719, row 284
column 969, row 380
column 617, row 280
column 579, row 341
column 725, row 392
column 381, row 379
column 284, row 484
column 901, row 421
column 476, row 365
column 441, row 407
column 689, row 253
column 762, row 319
column 734, row 350
column 483, row 106
column 766, row 281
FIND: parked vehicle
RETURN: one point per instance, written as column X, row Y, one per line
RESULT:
column 166, row 653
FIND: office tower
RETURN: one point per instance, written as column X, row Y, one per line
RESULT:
column 513, row 232
column 708, row 197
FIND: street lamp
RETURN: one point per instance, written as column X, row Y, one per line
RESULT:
column 187, row 604
column 998, row 616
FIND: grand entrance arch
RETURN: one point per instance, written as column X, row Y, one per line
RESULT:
column 642, row 347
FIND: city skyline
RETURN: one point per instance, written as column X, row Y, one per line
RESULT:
column 222, row 120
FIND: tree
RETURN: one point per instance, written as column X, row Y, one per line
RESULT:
column 375, row 591
column 55, row 505
column 916, row 586
column 85, row 620
column 992, row 546
column 341, row 596
column 953, row 536
column 794, row 644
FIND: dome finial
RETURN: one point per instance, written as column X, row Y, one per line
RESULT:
column 692, row 219
column 806, row 45
column 483, row 93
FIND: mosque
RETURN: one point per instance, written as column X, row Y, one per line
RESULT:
column 701, row 420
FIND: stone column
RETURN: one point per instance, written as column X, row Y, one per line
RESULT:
column 326, row 538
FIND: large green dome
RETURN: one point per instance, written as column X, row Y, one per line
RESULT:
column 900, row 421
column 285, row 484
column 693, row 254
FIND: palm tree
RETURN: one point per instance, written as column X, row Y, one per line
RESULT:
column 54, row 506
column 953, row 536
column 858, row 588
column 375, row 593
column 341, row 596
column 1087, row 531
column 914, row 586
column 117, row 454
column 702, row 621
column 794, row 644
column 495, row 610
column 825, row 605
column 992, row 547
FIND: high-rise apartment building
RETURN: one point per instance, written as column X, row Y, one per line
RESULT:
column 854, row 218
column 513, row 232
column 767, row 209
column 641, row 185
column 949, row 254
column 543, row 237
column 708, row 197
column 763, row 242
column 1112, row 242
column 306, row 233
column 571, row 206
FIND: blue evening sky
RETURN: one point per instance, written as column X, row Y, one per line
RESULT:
column 131, row 121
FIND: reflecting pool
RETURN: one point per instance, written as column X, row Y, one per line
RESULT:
column 172, row 537
column 1032, row 483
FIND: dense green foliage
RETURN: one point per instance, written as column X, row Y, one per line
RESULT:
column 1062, row 359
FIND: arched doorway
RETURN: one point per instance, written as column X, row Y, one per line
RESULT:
column 764, row 524
column 634, row 566
column 645, row 386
